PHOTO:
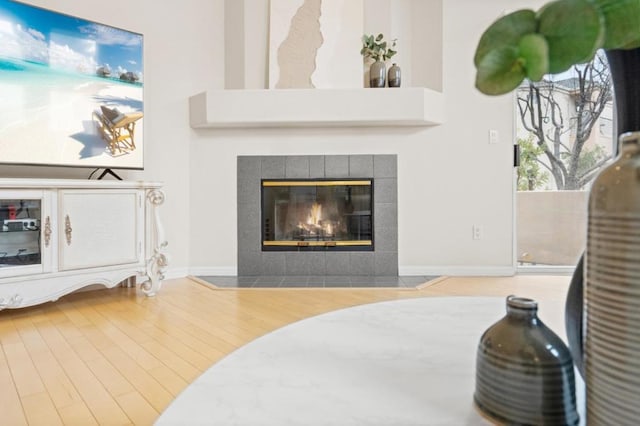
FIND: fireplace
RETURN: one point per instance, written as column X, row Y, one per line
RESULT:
column 303, row 235
column 317, row 215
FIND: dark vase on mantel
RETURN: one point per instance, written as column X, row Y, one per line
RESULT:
column 394, row 76
column 378, row 74
column 605, row 337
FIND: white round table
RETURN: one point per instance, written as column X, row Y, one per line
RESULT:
column 402, row 362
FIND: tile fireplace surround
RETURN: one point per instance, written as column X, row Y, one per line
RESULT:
column 383, row 261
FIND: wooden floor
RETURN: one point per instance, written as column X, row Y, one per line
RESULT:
column 118, row 357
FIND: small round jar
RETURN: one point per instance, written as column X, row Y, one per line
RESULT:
column 394, row 76
column 524, row 371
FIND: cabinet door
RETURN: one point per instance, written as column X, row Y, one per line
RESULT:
column 25, row 232
column 99, row 228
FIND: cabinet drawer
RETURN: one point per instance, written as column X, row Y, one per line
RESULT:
column 99, row 228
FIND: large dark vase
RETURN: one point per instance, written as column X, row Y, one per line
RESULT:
column 378, row 74
column 524, row 371
column 605, row 287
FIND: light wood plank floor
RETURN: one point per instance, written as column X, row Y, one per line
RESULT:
column 118, row 357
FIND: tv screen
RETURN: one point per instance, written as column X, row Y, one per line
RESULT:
column 71, row 91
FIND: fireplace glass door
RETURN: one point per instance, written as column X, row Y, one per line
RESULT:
column 317, row 215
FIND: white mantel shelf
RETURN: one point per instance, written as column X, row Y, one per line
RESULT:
column 413, row 106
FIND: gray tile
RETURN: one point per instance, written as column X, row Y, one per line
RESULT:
column 315, row 281
column 297, row 263
column 243, row 280
column 293, row 284
column 337, row 281
column 386, row 239
column 248, row 188
column 388, row 281
column 336, row 166
column 249, row 238
column 361, row 166
column 316, row 166
column 317, row 263
column 298, row 280
column 385, row 215
column 250, row 262
column 246, row 281
column 363, row 284
column 337, row 263
column 361, row 263
column 385, row 190
column 268, row 281
column 385, row 166
column 361, row 280
column 273, row 263
column 250, row 166
column 273, row 167
column 295, row 281
column 386, row 264
column 296, row 167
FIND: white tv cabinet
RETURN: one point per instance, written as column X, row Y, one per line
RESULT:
column 58, row 236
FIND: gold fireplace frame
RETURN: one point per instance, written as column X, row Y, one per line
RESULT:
column 329, row 243
column 311, row 243
column 269, row 183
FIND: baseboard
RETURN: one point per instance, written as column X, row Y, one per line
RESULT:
column 545, row 270
column 173, row 273
column 463, row 271
column 220, row 271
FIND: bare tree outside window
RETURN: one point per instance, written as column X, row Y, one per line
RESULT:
column 559, row 116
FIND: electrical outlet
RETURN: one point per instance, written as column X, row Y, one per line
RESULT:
column 494, row 137
column 477, row 232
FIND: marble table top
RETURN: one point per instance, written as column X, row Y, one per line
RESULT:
column 402, row 362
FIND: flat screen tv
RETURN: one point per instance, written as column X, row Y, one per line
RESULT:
column 71, row 91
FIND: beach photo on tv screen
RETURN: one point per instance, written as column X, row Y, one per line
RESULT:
column 71, row 90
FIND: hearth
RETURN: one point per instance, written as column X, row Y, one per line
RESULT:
column 317, row 215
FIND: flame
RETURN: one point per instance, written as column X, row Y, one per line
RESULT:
column 314, row 224
column 315, row 215
column 328, row 229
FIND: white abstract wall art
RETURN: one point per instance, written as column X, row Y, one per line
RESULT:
column 315, row 44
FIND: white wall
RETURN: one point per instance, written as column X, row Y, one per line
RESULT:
column 449, row 176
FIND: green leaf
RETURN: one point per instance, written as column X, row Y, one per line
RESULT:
column 500, row 71
column 621, row 23
column 574, row 30
column 380, row 37
column 506, row 31
column 534, row 50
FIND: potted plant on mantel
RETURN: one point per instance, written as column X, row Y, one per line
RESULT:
column 530, row 44
column 380, row 51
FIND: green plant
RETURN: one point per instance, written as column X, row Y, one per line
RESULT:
column 528, row 44
column 531, row 176
column 377, row 48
